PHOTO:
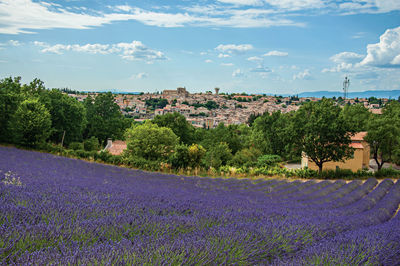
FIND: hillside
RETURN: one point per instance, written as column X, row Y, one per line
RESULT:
column 60, row 210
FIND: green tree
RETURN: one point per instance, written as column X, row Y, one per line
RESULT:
column 34, row 89
column 218, row 155
column 356, row 116
column 150, row 141
column 10, row 99
column 245, row 157
column 178, row 124
column 31, row 123
column 274, row 134
column 196, row 154
column 322, row 133
column 67, row 114
column 384, row 134
column 180, row 157
column 104, row 118
column 91, row 144
column 236, row 136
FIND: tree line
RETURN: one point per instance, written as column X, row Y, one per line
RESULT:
column 31, row 115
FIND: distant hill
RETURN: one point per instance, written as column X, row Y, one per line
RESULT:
column 394, row 94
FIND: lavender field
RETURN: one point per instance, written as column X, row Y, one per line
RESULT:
column 56, row 210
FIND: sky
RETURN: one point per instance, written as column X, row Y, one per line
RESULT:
column 253, row 46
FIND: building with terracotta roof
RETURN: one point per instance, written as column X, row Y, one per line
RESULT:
column 359, row 160
column 115, row 147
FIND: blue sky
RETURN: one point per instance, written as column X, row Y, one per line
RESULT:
column 254, row 46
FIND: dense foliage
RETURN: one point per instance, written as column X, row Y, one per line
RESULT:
column 321, row 129
column 55, row 210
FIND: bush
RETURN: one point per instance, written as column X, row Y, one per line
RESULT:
column 49, row 147
column 82, row 154
column 245, row 157
column 142, row 163
column 76, row 146
column 104, row 156
column 180, row 157
column 305, row 173
column 336, row 174
column 91, row 144
column 217, row 155
column 268, row 160
column 387, row 172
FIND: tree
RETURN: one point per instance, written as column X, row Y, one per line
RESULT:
column 10, row 99
column 180, row 156
column 384, row 134
column 67, row 114
column 178, row 124
column 150, row 141
column 273, row 134
column 196, row 154
column 104, row 118
column 31, row 123
column 322, row 133
column 245, row 157
column 357, row 116
column 218, row 155
column 236, row 136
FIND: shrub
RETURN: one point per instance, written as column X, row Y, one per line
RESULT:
column 91, row 144
column 180, row 157
column 218, row 155
column 245, row 157
column 104, row 156
column 142, row 163
column 49, row 147
column 305, row 173
column 387, row 172
column 196, row 154
column 76, row 146
column 268, row 160
column 336, row 174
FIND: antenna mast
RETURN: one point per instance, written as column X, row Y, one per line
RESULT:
column 346, row 85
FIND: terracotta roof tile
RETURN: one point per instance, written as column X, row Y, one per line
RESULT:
column 356, row 145
column 117, row 147
column 359, row 136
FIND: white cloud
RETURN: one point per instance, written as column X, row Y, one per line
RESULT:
column 141, row 75
column 25, row 16
column 276, row 53
column 233, row 48
column 125, row 8
column 42, row 15
column 224, row 55
column 28, row 16
column 261, row 69
column 347, row 57
column 302, row 75
column 297, row 4
column 345, row 62
column 135, row 50
column 208, row 61
column 338, row 68
column 359, row 35
column 227, row 64
column 14, row 43
column 242, row 2
column 238, row 73
column 254, row 59
column 385, row 53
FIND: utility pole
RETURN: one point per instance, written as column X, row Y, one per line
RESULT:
column 346, row 85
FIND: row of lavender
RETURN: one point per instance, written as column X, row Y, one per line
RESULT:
column 55, row 210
